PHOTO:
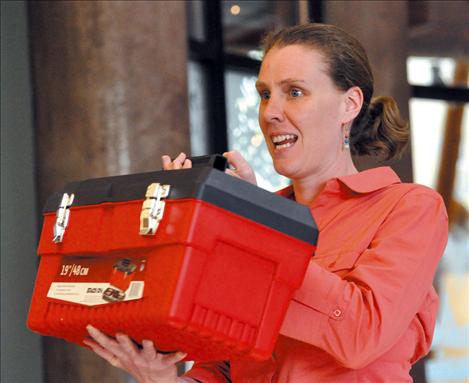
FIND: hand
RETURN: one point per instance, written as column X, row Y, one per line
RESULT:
column 146, row 365
column 180, row 162
column 241, row 167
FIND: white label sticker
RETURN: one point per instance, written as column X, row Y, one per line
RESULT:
column 91, row 294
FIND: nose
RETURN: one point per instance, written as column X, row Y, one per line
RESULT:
column 272, row 110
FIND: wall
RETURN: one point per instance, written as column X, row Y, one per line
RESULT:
column 21, row 357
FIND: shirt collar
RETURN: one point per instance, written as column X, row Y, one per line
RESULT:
column 370, row 180
column 366, row 181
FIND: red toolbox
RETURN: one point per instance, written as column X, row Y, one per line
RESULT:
column 193, row 259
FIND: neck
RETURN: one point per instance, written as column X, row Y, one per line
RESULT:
column 308, row 188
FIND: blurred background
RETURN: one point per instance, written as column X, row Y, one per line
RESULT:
column 98, row 88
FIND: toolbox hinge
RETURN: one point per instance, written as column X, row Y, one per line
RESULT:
column 153, row 208
column 62, row 217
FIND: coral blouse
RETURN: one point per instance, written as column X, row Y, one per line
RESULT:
column 366, row 309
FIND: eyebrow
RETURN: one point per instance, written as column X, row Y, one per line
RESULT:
column 286, row 81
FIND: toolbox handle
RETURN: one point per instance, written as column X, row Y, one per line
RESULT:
column 215, row 161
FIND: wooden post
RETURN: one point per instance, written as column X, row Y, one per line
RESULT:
column 110, row 98
column 450, row 150
column 382, row 28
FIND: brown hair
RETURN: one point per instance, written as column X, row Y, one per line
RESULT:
column 378, row 129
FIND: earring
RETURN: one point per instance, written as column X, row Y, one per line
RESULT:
column 346, row 144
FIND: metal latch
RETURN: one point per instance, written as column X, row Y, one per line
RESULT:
column 153, row 208
column 62, row 217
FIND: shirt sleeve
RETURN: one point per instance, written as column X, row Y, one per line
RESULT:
column 210, row 372
column 358, row 316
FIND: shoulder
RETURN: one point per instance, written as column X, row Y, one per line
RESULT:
column 412, row 190
column 415, row 197
column 405, row 188
column 407, row 199
column 383, row 182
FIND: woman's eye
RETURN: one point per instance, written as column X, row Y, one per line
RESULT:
column 265, row 95
column 296, row 92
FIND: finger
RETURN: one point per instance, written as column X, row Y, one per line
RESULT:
column 234, row 157
column 103, row 353
column 127, row 345
column 237, row 160
column 228, row 156
column 149, row 352
column 242, row 169
column 180, row 158
column 187, row 164
column 171, row 359
column 166, row 162
column 177, row 162
column 104, row 341
column 232, row 173
column 176, row 165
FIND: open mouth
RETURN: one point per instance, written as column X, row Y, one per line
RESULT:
column 283, row 141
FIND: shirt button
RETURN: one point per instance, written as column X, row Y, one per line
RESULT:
column 337, row 313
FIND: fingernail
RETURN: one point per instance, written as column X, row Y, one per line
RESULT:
column 182, row 354
column 91, row 328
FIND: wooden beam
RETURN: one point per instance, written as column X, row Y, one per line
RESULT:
column 110, row 98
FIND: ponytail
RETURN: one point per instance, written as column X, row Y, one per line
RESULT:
column 379, row 130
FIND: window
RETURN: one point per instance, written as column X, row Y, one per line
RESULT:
column 440, row 139
column 225, row 57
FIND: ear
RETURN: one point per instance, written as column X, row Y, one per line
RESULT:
column 353, row 101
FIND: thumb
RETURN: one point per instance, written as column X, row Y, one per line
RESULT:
column 242, row 169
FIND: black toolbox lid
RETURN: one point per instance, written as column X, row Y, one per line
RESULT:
column 206, row 181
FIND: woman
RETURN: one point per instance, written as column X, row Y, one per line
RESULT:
column 366, row 310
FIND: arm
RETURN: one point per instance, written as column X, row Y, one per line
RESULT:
column 146, row 364
column 149, row 366
column 358, row 317
column 210, row 372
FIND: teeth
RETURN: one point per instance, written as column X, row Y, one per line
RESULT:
column 282, row 137
column 283, row 146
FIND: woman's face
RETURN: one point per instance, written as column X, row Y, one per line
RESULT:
column 301, row 112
